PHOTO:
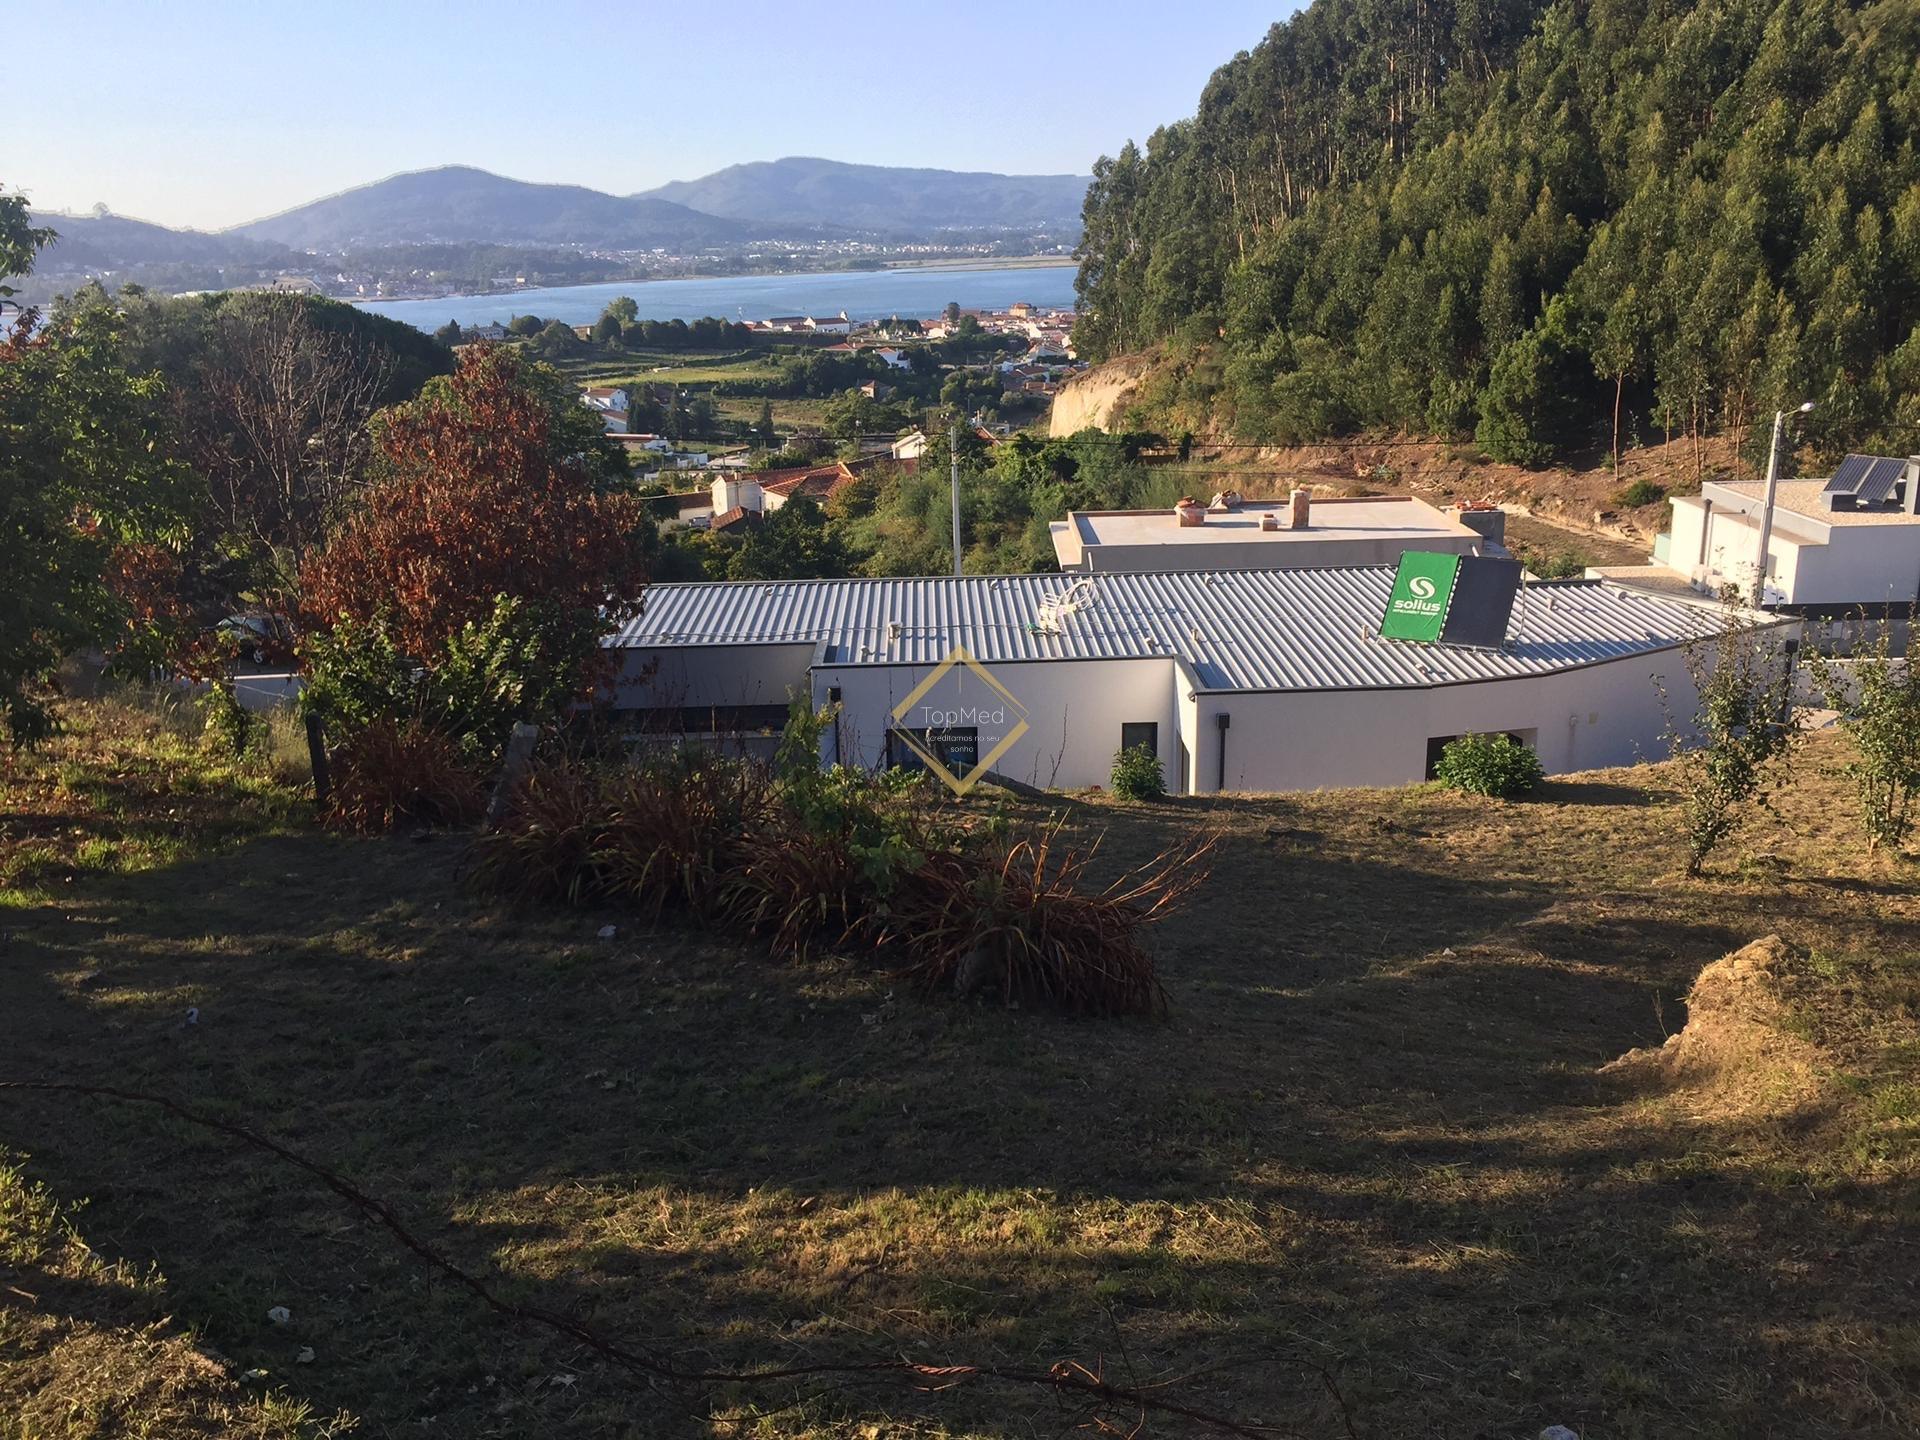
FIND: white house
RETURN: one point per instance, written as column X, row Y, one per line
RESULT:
column 1261, row 534
column 895, row 359
column 1831, row 549
column 910, row 446
column 830, row 324
column 1246, row 680
column 609, row 402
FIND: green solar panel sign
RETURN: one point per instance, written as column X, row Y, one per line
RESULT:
column 1422, row 590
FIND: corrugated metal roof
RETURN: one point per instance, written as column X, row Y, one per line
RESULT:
column 1307, row 629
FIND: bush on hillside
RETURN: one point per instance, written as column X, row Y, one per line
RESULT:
column 808, row 859
column 1640, row 492
column 1137, row 774
column 1495, row 765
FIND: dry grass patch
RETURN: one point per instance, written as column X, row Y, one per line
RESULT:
column 1372, row 1133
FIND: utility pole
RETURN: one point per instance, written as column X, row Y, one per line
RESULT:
column 953, row 454
column 1766, row 508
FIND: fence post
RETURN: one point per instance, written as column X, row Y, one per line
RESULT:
column 317, row 753
column 519, row 752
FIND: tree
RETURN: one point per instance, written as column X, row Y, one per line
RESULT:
column 1741, row 736
column 952, row 312
column 270, row 397
column 449, row 333
column 85, row 465
column 606, row 330
column 1530, row 393
column 525, row 326
column 19, row 240
column 286, row 432
column 763, row 428
column 480, row 495
column 1878, row 697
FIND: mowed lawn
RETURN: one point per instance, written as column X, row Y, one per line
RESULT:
column 1368, row 1178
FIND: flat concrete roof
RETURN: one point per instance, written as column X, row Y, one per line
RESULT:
column 1383, row 517
column 1803, row 497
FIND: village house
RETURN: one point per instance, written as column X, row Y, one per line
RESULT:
column 1834, row 546
column 609, row 402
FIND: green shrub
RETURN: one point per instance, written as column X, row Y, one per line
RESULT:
column 1640, row 492
column 1496, row 765
column 1137, row 774
column 1559, row 565
column 229, row 720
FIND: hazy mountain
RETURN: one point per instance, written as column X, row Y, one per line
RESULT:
column 89, row 243
column 880, row 197
column 458, row 204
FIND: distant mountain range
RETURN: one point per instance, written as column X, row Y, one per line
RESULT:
column 93, row 243
column 834, row 196
column 460, row 205
column 777, row 199
column 459, row 208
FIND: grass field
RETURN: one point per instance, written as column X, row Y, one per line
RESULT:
column 1375, row 1139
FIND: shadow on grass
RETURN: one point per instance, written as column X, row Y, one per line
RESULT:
column 1369, row 1133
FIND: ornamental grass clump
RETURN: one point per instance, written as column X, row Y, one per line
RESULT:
column 393, row 772
column 1028, row 922
column 808, row 860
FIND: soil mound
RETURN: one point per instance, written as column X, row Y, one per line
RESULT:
column 1737, row 1055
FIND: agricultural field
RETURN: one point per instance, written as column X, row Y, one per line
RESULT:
column 1382, row 1170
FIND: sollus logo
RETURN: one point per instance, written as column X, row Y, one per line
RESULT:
column 1421, row 587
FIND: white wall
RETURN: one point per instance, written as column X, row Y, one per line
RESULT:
column 1585, row 719
column 1602, row 715
column 1861, row 564
column 1075, row 709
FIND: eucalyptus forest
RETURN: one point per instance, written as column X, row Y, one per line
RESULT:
column 1548, row 227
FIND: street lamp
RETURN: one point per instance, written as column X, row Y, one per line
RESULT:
column 1766, row 509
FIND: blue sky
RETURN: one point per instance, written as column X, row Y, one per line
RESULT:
column 209, row 114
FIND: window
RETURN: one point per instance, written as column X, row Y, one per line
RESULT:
column 1145, row 732
column 957, row 747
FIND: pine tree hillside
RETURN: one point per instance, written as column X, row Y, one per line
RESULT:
column 1550, row 227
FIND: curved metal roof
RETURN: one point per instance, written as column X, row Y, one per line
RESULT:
column 1305, row 629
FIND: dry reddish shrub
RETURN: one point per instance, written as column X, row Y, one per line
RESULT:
column 1028, row 921
column 675, row 833
column 724, row 841
column 800, row 890
column 388, row 773
column 546, row 848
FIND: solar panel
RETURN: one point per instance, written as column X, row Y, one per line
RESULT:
column 1877, row 485
column 1848, row 474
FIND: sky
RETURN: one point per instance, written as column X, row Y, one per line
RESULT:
column 212, row 114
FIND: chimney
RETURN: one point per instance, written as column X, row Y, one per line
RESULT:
column 1190, row 511
column 1301, row 503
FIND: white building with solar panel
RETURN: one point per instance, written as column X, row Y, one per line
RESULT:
column 1250, row 680
column 1835, row 546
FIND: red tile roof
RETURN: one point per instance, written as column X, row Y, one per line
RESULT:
column 738, row 515
column 817, row 482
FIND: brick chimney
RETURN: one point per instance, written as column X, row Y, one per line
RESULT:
column 1301, row 508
